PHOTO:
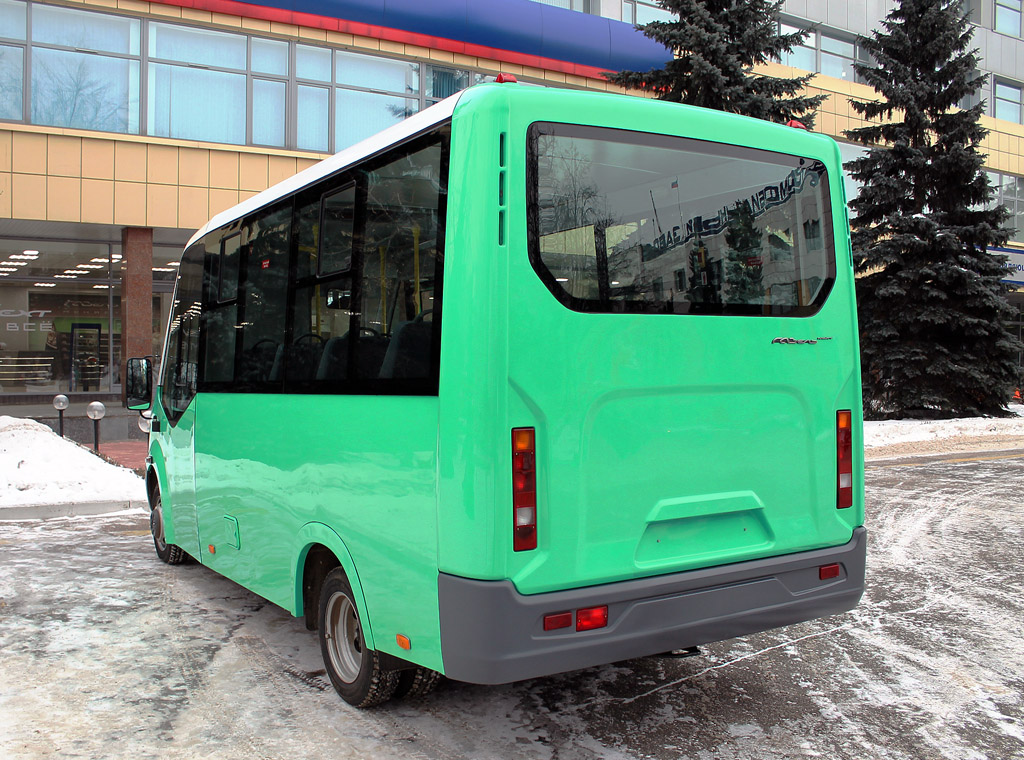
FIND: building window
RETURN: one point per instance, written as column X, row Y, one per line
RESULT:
column 111, row 73
column 1008, row 17
column 640, row 13
column 584, row 6
column 825, row 53
column 1010, row 194
column 1008, row 101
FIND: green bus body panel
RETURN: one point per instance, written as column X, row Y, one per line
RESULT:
column 172, row 452
column 664, row 442
column 355, row 473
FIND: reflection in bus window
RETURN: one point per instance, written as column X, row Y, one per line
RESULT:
column 663, row 224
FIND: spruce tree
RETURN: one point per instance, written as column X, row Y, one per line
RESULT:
column 743, row 268
column 716, row 44
column 933, row 312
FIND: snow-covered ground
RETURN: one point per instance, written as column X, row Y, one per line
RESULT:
column 929, row 434
column 37, row 466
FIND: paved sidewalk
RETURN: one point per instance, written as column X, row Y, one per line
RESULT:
column 130, row 454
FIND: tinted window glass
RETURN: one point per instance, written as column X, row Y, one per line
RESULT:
column 220, row 310
column 366, row 323
column 265, row 240
column 338, row 228
column 630, row 222
column 180, row 364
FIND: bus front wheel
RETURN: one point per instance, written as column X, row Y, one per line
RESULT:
column 353, row 668
column 169, row 553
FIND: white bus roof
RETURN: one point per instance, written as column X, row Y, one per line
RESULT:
column 415, row 124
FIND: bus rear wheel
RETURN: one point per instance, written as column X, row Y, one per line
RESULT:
column 169, row 553
column 416, row 683
column 354, row 668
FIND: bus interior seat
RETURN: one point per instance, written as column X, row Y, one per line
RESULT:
column 333, row 364
column 408, row 354
column 258, row 361
column 370, row 353
column 304, row 357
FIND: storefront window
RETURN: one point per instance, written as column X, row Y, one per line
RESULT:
column 60, row 315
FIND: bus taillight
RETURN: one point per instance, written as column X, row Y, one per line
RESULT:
column 844, row 454
column 524, row 489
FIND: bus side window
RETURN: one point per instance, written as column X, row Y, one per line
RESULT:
column 181, row 364
column 264, row 259
column 321, row 312
column 220, row 310
column 401, row 261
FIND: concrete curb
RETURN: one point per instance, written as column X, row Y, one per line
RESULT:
column 49, row 511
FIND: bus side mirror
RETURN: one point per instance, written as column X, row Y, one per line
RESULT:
column 139, row 388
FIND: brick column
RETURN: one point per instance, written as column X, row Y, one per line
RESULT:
column 136, row 296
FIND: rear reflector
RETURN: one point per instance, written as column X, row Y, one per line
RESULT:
column 592, row 617
column 558, row 620
column 844, row 455
column 828, row 572
column 524, row 489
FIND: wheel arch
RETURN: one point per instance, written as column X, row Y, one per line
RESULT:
column 320, row 550
column 156, row 479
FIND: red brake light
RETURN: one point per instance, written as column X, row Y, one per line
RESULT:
column 524, row 490
column 592, row 617
column 844, row 456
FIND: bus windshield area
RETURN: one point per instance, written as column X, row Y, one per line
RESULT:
column 631, row 222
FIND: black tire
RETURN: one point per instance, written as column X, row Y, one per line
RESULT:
column 353, row 668
column 416, row 683
column 169, row 553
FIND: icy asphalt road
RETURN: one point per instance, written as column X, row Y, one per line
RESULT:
column 106, row 653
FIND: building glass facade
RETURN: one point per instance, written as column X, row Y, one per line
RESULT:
column 88, row 69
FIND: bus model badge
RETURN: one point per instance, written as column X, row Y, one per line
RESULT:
column 791, row 341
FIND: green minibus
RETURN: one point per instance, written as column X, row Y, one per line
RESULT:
column 533, row 381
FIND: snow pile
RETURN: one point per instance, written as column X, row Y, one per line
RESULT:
column 37, row 466
column 906, row 431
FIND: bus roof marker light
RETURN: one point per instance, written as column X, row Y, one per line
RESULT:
column 502, row 78
column 796, row 124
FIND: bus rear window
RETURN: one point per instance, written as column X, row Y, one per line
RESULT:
column 625, row 221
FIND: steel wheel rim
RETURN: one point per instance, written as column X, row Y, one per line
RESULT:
column 344, row 637
column 156, row 526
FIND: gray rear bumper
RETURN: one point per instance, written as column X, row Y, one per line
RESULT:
column 490, row 633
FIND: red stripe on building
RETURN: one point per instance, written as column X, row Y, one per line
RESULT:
column 313, row 21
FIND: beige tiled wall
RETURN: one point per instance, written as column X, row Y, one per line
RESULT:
column 76, row 176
